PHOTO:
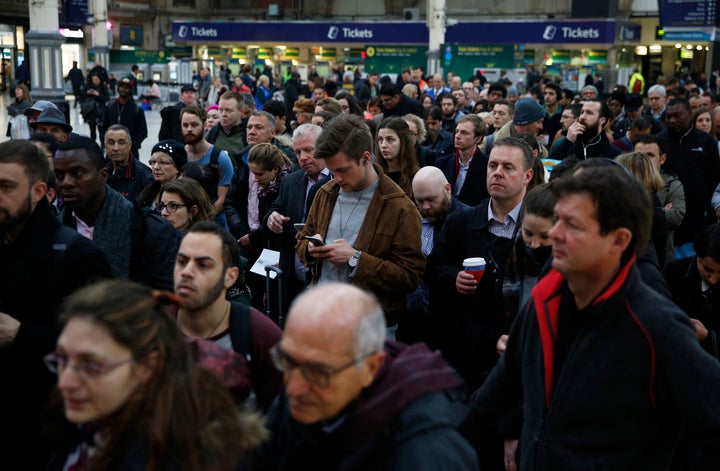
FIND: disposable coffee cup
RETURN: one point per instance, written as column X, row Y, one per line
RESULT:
column 475, row 266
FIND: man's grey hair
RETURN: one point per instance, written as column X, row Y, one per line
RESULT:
column 248, row 100
column 307, row 130
column 659, row 89
column 369, row 334
column 272, row 123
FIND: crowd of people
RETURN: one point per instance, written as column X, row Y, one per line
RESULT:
column 136, row 336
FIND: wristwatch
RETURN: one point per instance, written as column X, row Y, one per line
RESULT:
column 354, row 259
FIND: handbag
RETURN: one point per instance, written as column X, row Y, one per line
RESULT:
column 88, row 108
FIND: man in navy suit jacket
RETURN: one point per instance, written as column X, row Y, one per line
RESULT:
column 290, row 207
column 466, row 168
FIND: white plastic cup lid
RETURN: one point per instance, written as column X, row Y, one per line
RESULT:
column 474, row 262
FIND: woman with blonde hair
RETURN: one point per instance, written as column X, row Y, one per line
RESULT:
column 642, row 167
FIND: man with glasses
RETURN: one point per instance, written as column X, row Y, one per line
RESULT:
column 206, row 267
column 354, row 400
column 126, row 174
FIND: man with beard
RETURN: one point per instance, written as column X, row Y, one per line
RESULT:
column 448, row 104
column 434, row 199
column 438, row 139
column 139, row 244
column 586, row 137
column 527, row 117
column 206, row 266
column 692, row 155
column 170, row 127
column 192, row 120
column 291, row 205
column 123, row 110
column 128, row 176
column 42, row 262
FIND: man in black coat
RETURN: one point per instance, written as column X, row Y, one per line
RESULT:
column 348, row 404
column 170, row 127
column 398, row 104
column 292, row 93
column 466, row 168
column 42, row 263
column 139, row 244
column 693, row 282
column 467, row 315
column 123, row 110
column 692, row 155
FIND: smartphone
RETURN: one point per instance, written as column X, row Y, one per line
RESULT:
column 316, row 242
column 298, row 226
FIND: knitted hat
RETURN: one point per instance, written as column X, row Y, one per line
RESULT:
column 187, row 88
column 527, row 111
column 512, row 91
column 174, row 149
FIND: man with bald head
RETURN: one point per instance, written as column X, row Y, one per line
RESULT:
column 354, row 400
column 434, row 199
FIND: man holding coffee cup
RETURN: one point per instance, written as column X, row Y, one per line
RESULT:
column 465, row 269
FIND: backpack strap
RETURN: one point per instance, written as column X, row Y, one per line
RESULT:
column 215, row 155
column 240, row 330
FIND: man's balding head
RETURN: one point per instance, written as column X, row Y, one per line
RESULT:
column 331, row 350
column 432, row 194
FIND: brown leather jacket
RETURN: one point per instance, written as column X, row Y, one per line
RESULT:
column 392, row 261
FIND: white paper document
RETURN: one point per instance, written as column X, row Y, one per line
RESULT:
column 267, row 257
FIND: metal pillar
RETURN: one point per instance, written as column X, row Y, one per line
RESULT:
column 45, row 56
column 436, row 26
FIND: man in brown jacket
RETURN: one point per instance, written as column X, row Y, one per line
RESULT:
column 366, row 231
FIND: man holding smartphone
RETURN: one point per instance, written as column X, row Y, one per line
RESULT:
column 369, row 227
column 289, row 210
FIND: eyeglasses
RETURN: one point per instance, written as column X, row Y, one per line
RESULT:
column 152, row 162
column 316, row 374
column 87, row 370
column 171, row 207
